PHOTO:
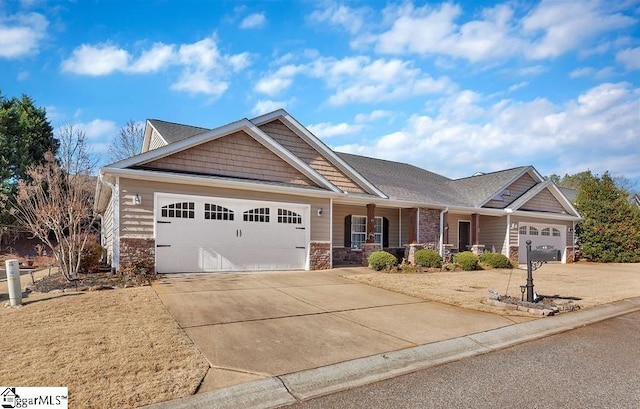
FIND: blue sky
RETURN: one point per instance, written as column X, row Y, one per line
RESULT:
column 453, row 87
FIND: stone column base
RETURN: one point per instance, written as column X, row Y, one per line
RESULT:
column 319, row 255
column 477, row 249
column 514, row 253
column 367, row 249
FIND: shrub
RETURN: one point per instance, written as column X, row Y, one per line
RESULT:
column 495, row 260
column 91, row 254
column 428, row 258
column 379, row 260
column 467, row 260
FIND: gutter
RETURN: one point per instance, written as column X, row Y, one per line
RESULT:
column 445, row 210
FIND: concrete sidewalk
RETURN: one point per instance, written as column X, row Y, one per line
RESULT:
column 289, row 388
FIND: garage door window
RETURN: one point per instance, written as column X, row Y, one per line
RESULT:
column 289, row 217
column 533, row 231
column 556, row 233
column 545, row 232
column 215, row 212
column 259, row 215
column 523, row 229
column 184, row 210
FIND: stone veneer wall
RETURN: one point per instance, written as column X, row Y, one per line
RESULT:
column 429, row 222
column 367, row 249
column 571, row 254
column 137, row 250
column 319, row 255
column 343, row 256
column 514, row 253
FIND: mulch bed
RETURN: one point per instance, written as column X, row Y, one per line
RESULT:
column 85, row 282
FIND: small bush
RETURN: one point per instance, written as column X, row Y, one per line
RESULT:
column 467, row 260
column 495, row 260
column 428, row 258
column 91, row 254
column 380, row 260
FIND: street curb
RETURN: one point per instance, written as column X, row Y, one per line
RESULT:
column 290, row 388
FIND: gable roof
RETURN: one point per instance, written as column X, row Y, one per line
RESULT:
column 477, row 190
column 172, row 132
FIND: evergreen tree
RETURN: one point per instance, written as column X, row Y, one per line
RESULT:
column 610, row 231
column 25, row 136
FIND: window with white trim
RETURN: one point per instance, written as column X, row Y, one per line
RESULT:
column 359, row 231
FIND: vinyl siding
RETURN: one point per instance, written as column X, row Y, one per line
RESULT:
column 492, row 232
column 308, row 154
column 452, row 221
column 137, row 221
column 544, row 202
column 156, row 141
column 107, row 230
column 342, row 211
column 406, row 226
column 516, row 189
column 235, row 155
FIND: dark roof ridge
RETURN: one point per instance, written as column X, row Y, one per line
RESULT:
column 178, row 123
column 395, row 162
column 493, row 173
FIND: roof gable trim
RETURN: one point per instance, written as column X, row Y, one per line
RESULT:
column 498, row 193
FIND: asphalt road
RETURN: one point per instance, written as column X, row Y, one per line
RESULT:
column 596, row 366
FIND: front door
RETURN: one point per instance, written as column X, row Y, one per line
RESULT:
column 464, row 235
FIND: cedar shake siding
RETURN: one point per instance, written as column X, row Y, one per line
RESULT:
column 544, row 202
column 516, row 189
column 236, row 155
column 156, row 141
column 307, row 153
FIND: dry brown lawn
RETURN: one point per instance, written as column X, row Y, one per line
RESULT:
column 594, row 283
column 114, row 348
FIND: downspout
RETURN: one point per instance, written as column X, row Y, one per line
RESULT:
column 445, row 210
column 115, row 197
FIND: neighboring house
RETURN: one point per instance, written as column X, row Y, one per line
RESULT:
column 634, row 199
column 266, row 194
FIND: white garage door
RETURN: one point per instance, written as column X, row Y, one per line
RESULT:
column 547, row 235
column 203, row 234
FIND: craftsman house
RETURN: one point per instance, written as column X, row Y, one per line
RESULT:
column 266, row 194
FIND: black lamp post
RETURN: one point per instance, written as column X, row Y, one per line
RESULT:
column 529, row 273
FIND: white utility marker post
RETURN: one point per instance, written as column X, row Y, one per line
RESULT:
column 13, row 282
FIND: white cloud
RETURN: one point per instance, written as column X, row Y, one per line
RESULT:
column 340, row 15
column 158, row 57
column 327, row 130
column 21, row 34
column 102, row 59
column 98, row 129
column 373, row 116
column 581, row 72
column 630, row 58
column 266, row 106
column 255, row 20
column 567, row 25
column 203, row 69
column 466, row 136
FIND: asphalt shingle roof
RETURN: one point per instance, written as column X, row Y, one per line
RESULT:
column 172, row 132
column 475, row 190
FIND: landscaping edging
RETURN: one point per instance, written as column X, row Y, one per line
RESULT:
column 546, row 312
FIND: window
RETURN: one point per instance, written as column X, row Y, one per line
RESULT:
column 359, row 231
column 523, row 229
column 260, row 215
column 545, row 232
column 555, row 233
column 216, row 212
column 533, row 231
column 184, row 210
column 289, row 217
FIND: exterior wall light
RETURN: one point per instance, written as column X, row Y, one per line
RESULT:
column 320, row 211
column 136, row 199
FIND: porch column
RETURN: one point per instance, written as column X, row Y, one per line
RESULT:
column 445, row 227
column 475, row 229
column 413, row 225
column 371, row 222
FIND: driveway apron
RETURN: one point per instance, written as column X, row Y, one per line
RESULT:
column 258, row 325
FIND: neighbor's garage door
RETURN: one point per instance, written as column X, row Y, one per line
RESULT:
column 540, row 235
column 201, row 234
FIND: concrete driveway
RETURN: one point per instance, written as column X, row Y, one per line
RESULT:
column 257, row 325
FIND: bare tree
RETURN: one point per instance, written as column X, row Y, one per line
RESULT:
column 128, row 142
column 75, row 155
column 57, row 208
